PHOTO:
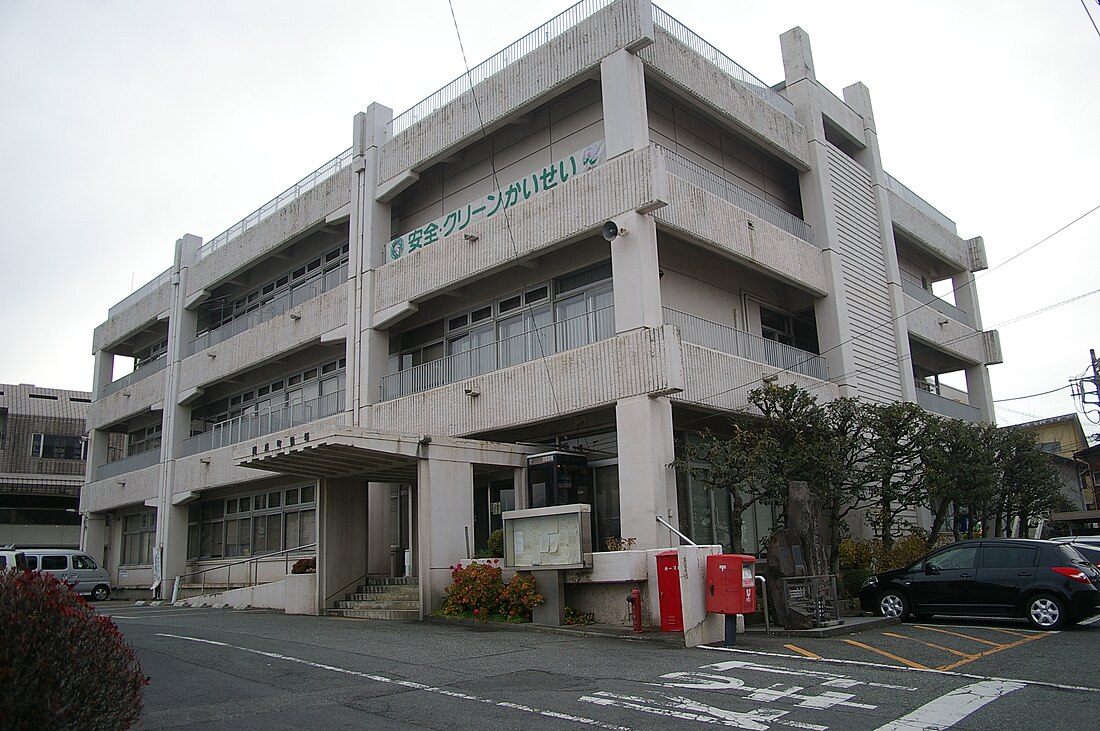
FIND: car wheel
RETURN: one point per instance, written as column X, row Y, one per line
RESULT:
column 1045, row 611
column 100, row 593
column 893, row 604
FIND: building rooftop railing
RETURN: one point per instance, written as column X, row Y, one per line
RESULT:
column 289, row 195
column 919, row 203
column 728, row 66
column 538, row 37
column 150, row 286
column 249, row 426
column 729, row 340
column 726, row 189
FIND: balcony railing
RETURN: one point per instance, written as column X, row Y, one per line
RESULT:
column 919, row 203
column 249, row 426
column 725, row 339
column 728, row 66
column 496, row 63
column 556, row 337
column 289, row 195
column 274, row 307
column 150, row 286
column 716, row 184
column 937, row 404
column 134, row 462
column 142, row 372
column 944, row 307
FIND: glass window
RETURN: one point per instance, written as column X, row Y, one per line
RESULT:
column 54, row 563
column 84, row 562
column 961, row 557
column 1008, row 557
column 138, row 536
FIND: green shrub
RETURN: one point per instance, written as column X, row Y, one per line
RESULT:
column 495, row 544
column 61, row 664
column 871, row 554
column 572, row 616
column 853, row 581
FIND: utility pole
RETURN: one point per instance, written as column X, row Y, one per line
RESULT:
column 1087, row 389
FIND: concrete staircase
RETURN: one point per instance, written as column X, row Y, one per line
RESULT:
column 382, row 599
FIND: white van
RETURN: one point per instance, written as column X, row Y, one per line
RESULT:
column 73, row 567
column 11, row 559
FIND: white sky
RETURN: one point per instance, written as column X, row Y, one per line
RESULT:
column 129, row 123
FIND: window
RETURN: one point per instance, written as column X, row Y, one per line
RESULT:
column 251, row 525
column 55, row 446
column 1008, row 557
column 138, row 535
column 798, row 331
column 55, row 563
column 962, row 557
column 84, row 562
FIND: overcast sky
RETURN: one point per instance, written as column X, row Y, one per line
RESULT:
column 129, row 124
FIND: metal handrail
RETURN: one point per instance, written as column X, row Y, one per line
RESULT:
column 229, row 569
column 668, row 525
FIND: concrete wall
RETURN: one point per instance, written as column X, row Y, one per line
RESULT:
column 135, row 399
column 928, row 233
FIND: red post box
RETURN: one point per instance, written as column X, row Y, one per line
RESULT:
column 731, row 584
column 668, row 591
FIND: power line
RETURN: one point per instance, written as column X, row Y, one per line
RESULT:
column 1031, row 395
column 1091, row 19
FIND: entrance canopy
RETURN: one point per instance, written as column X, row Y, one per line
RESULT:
column 343, row 451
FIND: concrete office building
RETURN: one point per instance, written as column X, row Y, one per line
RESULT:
column 42, row 464
column 371, row 360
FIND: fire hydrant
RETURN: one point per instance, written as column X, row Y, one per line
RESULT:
column 635, row 601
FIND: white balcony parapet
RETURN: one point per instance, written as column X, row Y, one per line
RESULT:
column 140, row 373
column 548, row 339
column 249, row 426
column 725, row 189
column 150, row 286
column 274, row 307
column 939, row 305
column 895, row 187
column 496, row 63
column 725, row 339
column 289, row 195
column 727, row 65
column 133, row 463
column 937, row 404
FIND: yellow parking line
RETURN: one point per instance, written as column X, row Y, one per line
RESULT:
column 930, row 644
column 959, row 634
column 1014, row 633
column 884, row 653
column 993, row 652
column 800, row 651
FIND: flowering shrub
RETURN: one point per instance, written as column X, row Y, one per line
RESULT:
column 477, row 590
column 61, row 664
column 304, row 566
column 474, row 591
column 519, row 598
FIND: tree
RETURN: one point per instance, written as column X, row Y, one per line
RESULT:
column 892, row 464
column 1029, row 485
column 961, row 470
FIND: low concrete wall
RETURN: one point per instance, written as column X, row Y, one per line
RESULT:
column 297, row 594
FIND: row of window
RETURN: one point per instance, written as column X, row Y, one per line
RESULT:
column 253, row 524
column 59, row 446
column 290, row 391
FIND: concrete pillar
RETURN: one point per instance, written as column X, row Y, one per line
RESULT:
column 341, row 538
column 104, row 371
column 980, row 392
column 367, row 347
column 831, row 311
column 647, row 485
column 93, row 535
column 700, row 628
column 858, row 97
column 445, row 511
column 378, row 529
column 625, row 119
column 636, row 274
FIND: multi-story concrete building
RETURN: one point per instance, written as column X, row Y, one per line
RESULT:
column 369, row 360
column 42, row 464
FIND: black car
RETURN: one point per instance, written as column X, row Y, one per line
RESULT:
column 1087, row 546
column 1049, row 584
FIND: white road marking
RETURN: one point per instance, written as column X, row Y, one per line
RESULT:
column 947, row 710
column 884, row 666
column 404, row 683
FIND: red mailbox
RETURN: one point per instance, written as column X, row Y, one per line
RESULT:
column 731, row 584
column 668, row 589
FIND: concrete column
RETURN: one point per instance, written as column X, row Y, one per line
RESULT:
column 104, row 371
column 647, row 485
column 858, row 97
column 636, row 273
column 445, row 510
column 341, row 538
column 979, row 391
column 966, row 296
column 378, row 529
column 831, row 311
column 93, row 535
column 625, row 119
column 367, row 347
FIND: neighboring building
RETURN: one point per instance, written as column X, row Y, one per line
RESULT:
column 42, row 463
column 1062, row 438
column 370, row 360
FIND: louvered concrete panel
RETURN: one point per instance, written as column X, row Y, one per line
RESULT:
column 948, row 335
column 133, row 488
column 870, row 317
column 932, row 236
column 535, row 226
column 293, row 219
column 720, row 381
column 694, row 75
column 267, row 340
column 135, row 318
column 722, row 224
column 637, row 363
column 137, row 398
column 561, row 61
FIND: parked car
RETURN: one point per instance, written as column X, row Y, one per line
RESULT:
column 12, row 559
column 1087, row 546
column 73, row 567
column 1050, row 584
